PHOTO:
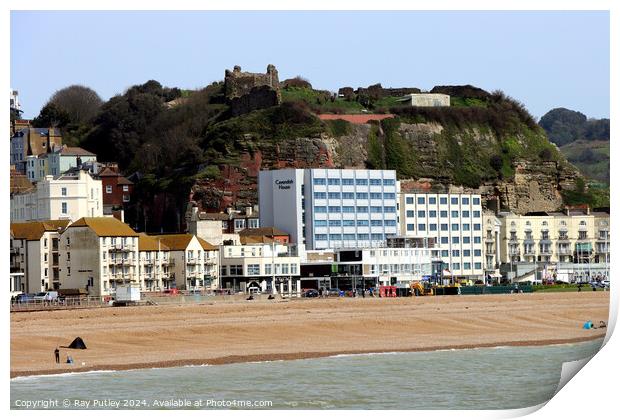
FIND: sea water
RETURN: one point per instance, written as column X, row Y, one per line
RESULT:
column 482, row 378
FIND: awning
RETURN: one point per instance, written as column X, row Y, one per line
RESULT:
column 583, row 247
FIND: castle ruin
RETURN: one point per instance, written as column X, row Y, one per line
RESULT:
column 247, row 92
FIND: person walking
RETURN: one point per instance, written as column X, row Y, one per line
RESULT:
column 57, row 355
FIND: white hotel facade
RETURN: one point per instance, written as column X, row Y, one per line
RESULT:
column 454, row 221
column 331, row 208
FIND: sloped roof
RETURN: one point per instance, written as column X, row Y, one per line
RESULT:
column 263, row 231
column 33, row 231
column 150, row 243
column 75, row 151
column 176, row 241
column 105, row 226
column 206, row 245
column 248, row 240
column 213, row 216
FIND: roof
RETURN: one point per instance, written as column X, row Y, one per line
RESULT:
column 247, row 240
column 206, row 245
column 105, row 226
column 150, row 243
column 176, row 241
column 75, row 151
column 213, row 216
column 355, row 118
column 33, row 231
column 263, row 231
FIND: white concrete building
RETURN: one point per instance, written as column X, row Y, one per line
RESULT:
column 98, row 254
column 426, row 99
column 68, row 197
column 330, row 208
column 153, row 264
column 193, row 264
column 35, row 256
column 266, row 267
column 454, row 221
column 491, row 225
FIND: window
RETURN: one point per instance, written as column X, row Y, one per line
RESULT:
column 467, row 252
column 432, row 200
column 320, row 237
column 444, row 252
column 333, row 181
column 465, row 200
column 432, row 213
column 320, row 223
column 335, row 223
column 348, row 209
column 375, row 196
column 456, row 266
column 63, row 207
column 362, row 196
column 465, row 213
column 477, row 226
column 253, row 223
column 476, row 213
column 477, row 239
column 347, row 181
column 410, row 213
column 375, row 182
column 362, row 209
column 454, row 200
column 455, row 226
column 389, row 196
column 410, row 226
column 376, row 209
column 126, row 198
column 335, row 237
column 466, row 226
column 293, row 268
column 108, row 189
column 409, row 200
column 390, row 223
column 236, row 270
column 267, row 268
column 443, row 213
column 444, row 226
column 63, row 191
column 125, row 188
column 477, row 252
column 421, row 213
column 455, row 239
column 362, row 222
column 239, row 223
column 466, row 266
column 444, row 240
column 476, row 201
column 253, row 269
column 389, row 182
column 389, row 209
column 376, row 223
column 319, row 181
column 466, row 239
column 454, row 213
column 319, row 195
column 362, row 236
column 421, row 227
column 361, row 182
column 432, row 227
column 348, row 236
column 320, row 209
column 455, row 253
column 478, row 265
column 348, row 223
column 348, row 196
column 335, row 209
column 376, row 236
column 421, row 200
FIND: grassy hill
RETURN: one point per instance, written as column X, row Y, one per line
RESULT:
column 591, row 157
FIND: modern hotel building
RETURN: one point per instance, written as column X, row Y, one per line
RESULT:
column 331, row 208
column 454, row 221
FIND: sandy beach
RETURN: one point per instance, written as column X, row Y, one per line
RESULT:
column 217, row 333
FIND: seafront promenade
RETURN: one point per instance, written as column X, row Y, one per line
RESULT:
column 215, row 333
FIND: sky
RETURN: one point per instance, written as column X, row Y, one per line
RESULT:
column 544, row 59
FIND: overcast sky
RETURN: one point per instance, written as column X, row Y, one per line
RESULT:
column 543, row 59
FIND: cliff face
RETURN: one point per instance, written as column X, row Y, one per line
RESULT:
column 437, row 158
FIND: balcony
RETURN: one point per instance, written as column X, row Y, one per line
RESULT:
column 119, row 247
column 514, row 252
column 192, row 261
column 564, row 251
column 546, row 251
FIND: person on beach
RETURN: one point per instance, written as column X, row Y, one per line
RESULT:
column 69, row 359
column 57, row 355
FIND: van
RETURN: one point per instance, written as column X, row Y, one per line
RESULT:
column 46, row 297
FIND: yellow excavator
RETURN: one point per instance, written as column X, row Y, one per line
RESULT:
column 418, row 289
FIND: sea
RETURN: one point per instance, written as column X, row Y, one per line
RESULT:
column 479, row 378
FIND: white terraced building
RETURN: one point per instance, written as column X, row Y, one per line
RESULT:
column 454, row 221
column 331, row 208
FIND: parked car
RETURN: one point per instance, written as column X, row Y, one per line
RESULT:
column 334, row 291
column 171, row 291
column 24, row 298
column 311, row 293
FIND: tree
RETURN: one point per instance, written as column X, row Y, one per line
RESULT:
column 563, row 125
column 51, row 116
column 496, row 162
column 81, row 103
